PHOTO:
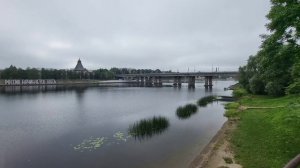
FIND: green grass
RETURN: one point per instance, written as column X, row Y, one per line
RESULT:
column 231, row 110
column 233, row 105
column 267, row 137
column 205, row 100
column 186, row 111
column 146, row 128
column 231, row 113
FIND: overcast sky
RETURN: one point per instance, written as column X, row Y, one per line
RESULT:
column 165, row 34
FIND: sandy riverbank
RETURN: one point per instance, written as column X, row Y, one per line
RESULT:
column 217, row 151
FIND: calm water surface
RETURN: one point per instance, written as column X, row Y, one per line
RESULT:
column 40, row 128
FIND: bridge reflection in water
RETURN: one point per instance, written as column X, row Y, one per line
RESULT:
column 156, row 79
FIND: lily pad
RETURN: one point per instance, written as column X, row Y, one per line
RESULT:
column 90, row 144
column 121, row 136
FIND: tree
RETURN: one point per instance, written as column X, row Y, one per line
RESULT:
column 276, row 64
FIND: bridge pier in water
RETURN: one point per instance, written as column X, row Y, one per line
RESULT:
column 191, row 81
column 148, row 81
column 208, row 82
column 177, row 81
column 141, row 81
column 157, row 81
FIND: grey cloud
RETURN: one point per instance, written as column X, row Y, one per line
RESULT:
column 165, row 34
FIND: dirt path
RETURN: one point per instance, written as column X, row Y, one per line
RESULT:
column 242, row 108
column 217, row 154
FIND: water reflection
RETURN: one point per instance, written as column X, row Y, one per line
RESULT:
column 147, row 128
column 41, row 88
column 208, row 89
column 191, row 89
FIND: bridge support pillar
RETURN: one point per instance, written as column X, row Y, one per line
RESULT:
column 191, row 81
column 141, row 81
column 157, row 81
column 149, row 81
column 208, row 82
column 177, row 81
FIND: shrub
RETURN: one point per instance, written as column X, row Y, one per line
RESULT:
column 239, row 92
column 256, row 85
column 293, row 88
column 274, row 89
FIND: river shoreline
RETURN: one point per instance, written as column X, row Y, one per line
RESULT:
column 217, row 149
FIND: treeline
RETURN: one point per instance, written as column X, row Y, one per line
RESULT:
column 100, row 74
column 275, row 69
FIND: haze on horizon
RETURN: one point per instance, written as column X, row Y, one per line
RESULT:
column 157, row 34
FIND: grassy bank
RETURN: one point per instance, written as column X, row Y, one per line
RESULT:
column 268, row 131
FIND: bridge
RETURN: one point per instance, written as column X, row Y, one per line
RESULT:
column 155, row 79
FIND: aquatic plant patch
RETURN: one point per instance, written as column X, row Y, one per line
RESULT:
column 94, row 143
column 90, row 144
column 121, row 136
column 146, row 128
column 206, row 100
column 186, row 111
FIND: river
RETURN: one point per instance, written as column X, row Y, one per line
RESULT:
column 88, row 127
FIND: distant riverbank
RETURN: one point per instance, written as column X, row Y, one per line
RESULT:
column 61, row 82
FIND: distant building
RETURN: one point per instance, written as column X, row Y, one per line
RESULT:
column 79, row 67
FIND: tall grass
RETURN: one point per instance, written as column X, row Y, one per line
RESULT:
column 146, row 128
column 186, row 111
column 206, row 100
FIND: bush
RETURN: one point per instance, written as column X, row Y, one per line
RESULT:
column 256, row 85
column 274, row 89
column 239, row 92
column 293, row 88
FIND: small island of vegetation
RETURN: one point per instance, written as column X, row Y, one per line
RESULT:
column 186, row 111
column 206, row 100
column 146, row 128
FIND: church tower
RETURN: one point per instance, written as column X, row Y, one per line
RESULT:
column 79, row 67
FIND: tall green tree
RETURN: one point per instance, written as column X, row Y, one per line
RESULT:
column 276, row 63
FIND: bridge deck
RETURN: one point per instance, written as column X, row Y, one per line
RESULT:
column 181, row 74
